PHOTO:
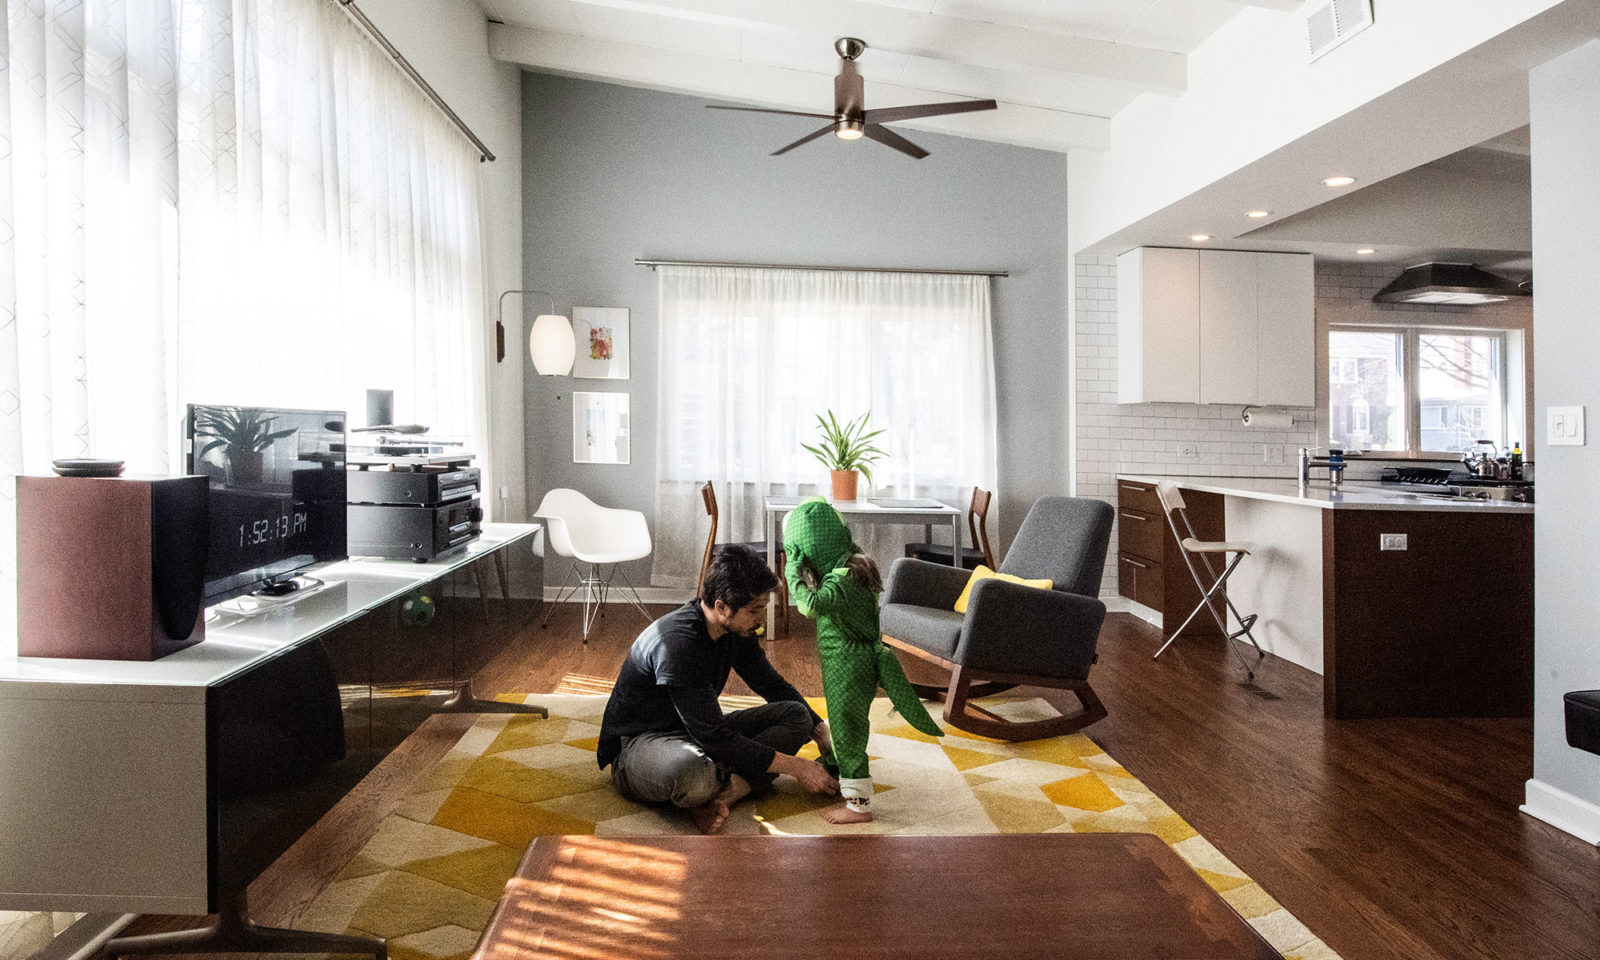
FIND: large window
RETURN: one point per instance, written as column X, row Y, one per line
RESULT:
column 1417, row 391
column 749, row 357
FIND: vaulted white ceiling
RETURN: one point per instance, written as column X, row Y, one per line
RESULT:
column 1060, row 69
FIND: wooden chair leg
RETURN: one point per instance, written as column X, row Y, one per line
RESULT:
column 963, row 715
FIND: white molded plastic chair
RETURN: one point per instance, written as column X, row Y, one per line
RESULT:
column 1231, row 551
column 599, row 537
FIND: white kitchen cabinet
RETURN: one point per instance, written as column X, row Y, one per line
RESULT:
column 1285, row 330
column 1229, row 353
column 1215, row 326
column 1158, row 326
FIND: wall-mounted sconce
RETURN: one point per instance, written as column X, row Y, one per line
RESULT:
column 551, row 345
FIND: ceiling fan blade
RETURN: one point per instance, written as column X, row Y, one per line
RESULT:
column 891, row 114
column 786, row 113
column 889, row 138
column 805, row 140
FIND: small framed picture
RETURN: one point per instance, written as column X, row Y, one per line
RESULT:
column 601, row 334
column 600, row 428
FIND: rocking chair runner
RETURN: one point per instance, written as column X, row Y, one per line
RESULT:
column 1011, row 634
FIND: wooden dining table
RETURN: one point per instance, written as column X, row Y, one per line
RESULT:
column 921, row 511
column 1106, row 896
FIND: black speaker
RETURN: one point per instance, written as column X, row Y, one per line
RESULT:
column 110, row 568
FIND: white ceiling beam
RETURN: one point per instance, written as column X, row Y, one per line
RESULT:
column 677, row 72
column 954, row 39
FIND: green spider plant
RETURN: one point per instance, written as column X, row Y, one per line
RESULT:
column 846, row 447
column 242, row 430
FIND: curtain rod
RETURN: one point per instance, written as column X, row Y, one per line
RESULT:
column 652, row 264
column 405, row 65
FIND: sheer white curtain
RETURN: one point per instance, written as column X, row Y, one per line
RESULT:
column 219, row 201
column 749, row 357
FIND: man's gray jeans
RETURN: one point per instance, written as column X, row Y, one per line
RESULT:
column 671, row 768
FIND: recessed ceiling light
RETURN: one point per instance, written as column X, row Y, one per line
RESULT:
column 1365, row 250
column 1199, row 237
column 1339, row 181
column 1258, row 214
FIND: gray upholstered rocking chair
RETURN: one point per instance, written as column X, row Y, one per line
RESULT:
column 1011, row 634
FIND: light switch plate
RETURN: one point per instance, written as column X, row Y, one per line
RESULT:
column 1391, row 541
column 1564, row 426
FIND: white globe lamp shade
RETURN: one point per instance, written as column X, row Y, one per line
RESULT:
column 551, row 345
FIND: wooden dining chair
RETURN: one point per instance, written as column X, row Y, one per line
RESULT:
column 977, row 526
column 708, row 494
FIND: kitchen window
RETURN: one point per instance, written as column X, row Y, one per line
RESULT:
column 1418, row 391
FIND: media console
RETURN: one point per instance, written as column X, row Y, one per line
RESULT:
column 166, row 786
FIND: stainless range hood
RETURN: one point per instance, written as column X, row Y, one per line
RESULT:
column 1459, row 284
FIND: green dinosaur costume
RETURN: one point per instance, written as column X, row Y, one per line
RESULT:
column 855, row 661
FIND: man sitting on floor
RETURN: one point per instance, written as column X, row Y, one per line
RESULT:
column 664, row 734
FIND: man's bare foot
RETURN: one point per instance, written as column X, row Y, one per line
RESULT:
column 711, row 817
column 845, row 813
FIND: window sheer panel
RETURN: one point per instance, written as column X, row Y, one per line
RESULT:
column 750, row 357
column 222, row 201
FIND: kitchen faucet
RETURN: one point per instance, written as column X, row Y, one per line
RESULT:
column 1333, row 463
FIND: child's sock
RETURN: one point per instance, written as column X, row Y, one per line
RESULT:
column 857, row 805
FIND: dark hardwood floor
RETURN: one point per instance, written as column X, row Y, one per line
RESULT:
column 1388, row 838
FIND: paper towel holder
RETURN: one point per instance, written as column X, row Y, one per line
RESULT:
column 1252, row 416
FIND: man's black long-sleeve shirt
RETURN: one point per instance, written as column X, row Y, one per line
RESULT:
column 670, row 683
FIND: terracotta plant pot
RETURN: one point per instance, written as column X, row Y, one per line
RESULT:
column 844, row 484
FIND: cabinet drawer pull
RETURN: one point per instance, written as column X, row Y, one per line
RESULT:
column 1136, row 488
column 1141, row 566
column 1135, row 516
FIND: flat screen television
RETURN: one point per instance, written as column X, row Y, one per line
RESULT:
column 277, row 498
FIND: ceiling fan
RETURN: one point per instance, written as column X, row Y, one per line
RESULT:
column 851, row 120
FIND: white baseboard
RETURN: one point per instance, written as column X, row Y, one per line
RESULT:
column 1563, row 811
column 1121, row 604
column 671, row 595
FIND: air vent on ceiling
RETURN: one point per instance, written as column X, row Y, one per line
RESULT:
column 1332, row 22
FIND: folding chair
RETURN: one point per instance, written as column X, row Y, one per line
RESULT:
column 1232, row 553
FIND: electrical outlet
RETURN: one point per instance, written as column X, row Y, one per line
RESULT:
column 1564, row 426
column 1272, row 453
column 1188, row 451
column 1391, row 541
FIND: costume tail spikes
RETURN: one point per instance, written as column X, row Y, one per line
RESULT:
column 893, row 681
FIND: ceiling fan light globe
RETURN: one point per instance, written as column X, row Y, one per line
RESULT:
column 849, row 130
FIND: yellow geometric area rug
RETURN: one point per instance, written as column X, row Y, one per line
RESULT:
column 429, row 878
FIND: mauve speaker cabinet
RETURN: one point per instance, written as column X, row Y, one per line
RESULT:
column 110, row 568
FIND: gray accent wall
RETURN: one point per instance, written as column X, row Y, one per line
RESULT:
column 611, row 173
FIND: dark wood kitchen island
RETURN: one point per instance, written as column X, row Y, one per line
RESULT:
column 1408, row 605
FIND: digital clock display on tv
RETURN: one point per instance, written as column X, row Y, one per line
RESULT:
column 272, row 529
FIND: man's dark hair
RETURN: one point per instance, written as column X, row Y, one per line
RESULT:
column 737, row 576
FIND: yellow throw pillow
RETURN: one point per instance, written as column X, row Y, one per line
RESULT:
column 984, row 573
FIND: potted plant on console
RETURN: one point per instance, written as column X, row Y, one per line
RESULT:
column 845, row 450
column 244, row 434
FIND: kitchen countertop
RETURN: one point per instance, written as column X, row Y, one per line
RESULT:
column 1354, row 495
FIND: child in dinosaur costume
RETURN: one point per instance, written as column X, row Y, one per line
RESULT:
column 833, row 583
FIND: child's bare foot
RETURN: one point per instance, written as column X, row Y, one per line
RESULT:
column 845, row 813
column 711, row 817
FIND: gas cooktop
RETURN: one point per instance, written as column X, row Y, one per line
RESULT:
column 1451, row 484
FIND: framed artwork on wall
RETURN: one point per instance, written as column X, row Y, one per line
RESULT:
column 600, row 428
column 602, row 337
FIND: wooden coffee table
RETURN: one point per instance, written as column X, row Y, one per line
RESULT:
column 1104, row 896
